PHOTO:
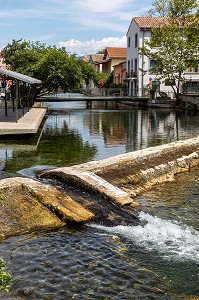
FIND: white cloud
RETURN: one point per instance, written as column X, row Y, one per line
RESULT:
column 103, row 5
column 102, row 23
column 70, row 22
column 92, row 46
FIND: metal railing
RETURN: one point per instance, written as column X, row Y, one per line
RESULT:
column 115, row 92
column 105, row 92
column 190, row 88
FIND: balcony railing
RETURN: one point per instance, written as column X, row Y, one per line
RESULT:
column 131, row 74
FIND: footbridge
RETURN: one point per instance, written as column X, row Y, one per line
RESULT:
column 100, row 95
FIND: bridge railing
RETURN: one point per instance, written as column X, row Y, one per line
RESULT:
column 119, row 92
column 110, row 92
column 105, row 92
column 190, row 88
column 124, row 92
column 167, row 95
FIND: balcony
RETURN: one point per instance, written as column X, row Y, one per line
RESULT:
column 131, row 75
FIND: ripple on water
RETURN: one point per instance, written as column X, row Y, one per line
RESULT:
column 84, row 265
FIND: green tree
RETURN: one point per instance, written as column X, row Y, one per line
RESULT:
column 53, row 66
column 101, row 51
column 101, row 79
column 159, row 8
column 175, row 40
column 88, row 71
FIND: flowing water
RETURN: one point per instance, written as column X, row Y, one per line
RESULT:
column 156, row 259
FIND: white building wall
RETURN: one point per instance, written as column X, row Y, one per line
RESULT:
column 139, row 84
column 143, row 79
column 192, row 76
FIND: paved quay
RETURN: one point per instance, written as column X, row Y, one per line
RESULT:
column 27, row 123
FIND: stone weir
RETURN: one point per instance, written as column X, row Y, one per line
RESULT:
column 28, row 205
column 123, row 177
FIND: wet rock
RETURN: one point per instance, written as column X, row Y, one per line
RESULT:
column 27, row 205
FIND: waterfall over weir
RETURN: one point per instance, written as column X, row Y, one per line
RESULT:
column 108, row 258
column 169, row 238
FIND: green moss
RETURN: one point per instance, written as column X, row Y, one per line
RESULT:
column 5, row 277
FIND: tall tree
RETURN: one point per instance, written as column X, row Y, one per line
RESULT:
column 174, row 43
column 159, row 8
column 88, row 71
column 53, row 66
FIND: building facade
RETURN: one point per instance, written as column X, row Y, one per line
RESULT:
column 104, row 63
column 112, row 57
column 2, row 62
column 139, row 76
column 119, row 73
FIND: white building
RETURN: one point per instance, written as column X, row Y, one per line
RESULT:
column 139, row 82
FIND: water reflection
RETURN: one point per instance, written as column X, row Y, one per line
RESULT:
column 158, row 260
column 73, row 134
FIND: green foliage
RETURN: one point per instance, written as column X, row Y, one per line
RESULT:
column 101, row 79
column 109, row 80
column 5, row 277
column 160, row 8
column 101, row 51
column 88, row 71
column 53, row 66
column 175, row 40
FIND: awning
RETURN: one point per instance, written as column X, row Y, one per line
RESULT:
column 20, row 77
column 19, row 93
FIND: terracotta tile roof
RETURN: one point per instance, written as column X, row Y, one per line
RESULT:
column 93, row 58
column 86, row 58
column 97, row 57
column 115, row 52
column 148, row 22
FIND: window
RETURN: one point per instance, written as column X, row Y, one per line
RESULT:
column 131, row 64
column 129, row 41
column 135, row 66
column 154, row 67
column 152, row 64
column 136, row 40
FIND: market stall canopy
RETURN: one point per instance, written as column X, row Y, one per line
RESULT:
column 20, row 77
column 21, row 91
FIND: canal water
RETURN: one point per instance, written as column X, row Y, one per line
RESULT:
column 156, row 259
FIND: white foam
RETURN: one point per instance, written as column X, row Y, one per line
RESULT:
column 173, row 239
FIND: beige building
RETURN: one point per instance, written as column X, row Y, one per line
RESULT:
column 2, row 63
column 119, row 73
column 105, row 62
column 112, row 57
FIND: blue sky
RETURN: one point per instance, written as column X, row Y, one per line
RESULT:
column 82, row 26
